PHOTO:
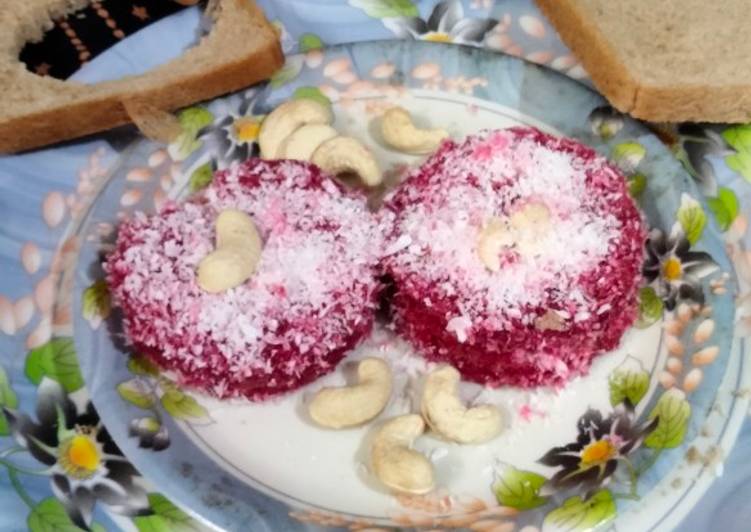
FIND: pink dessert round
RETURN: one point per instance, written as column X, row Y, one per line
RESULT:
column 547, row 310
column 312, row 298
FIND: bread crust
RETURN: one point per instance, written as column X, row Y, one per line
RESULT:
column 593, row 50
column 625, row 92
column 64, row 120
column 728, row 104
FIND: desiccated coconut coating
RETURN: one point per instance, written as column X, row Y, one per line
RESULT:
column 547, row 312
column 311, row 299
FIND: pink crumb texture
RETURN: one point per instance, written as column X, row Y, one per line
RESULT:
column 312, row 298
column 586, row 269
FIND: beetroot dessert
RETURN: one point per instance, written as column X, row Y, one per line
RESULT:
column 311, row 298
column 515, row 256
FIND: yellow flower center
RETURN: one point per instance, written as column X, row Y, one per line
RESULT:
column 598, row 452
column 79, row 456
column 435, row 36
column 246, row 129
column 672, row 269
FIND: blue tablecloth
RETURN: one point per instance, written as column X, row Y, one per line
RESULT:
column 38, row 214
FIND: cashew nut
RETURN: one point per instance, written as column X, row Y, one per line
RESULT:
column 348, row 406
column 533, row 217
column 238, row 250
column 285, row 119
column 523, row 230
column 394, row 463
column 400, row 133
column 446, row 415
column 301, row 143
column 345, row 154
column 493, row 238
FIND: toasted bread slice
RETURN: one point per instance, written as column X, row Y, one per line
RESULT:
column 241, row 49
column 664, row 61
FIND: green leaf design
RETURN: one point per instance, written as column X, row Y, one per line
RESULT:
column 741, row 163
column 183, row 146
column 288, row 72
column 739, row 137
column 725, row 207
column 637, row 183
column 33, row 368
column 628, row 381
column 578, row 514
column 650, row 307
column 148, row 424
column 140, row 365
column 57, row 360
column 628, row 155
column 310, row 41
column 312, row 93
column 673, row 412
column 386, row 8
column 518, row 489
column 193, row 119
column 692, row 218
column 96, row 303
column 201, row 177
column 182, row 406
column 136, row 393
column 608, row 128
column 166, row 518
column 7, row 398
column 50, row 516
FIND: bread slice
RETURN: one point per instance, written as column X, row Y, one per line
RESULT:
column 666, row 60
column 241, row 49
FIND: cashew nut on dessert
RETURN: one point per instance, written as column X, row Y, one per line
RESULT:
column 345, row 154
column 400, row 133
column 348, row 406
column 446, row 415
column 302, row 142
column 238, row 250
column 523, row 230
column 394, row 463
column 493, row 238
column 287, row 118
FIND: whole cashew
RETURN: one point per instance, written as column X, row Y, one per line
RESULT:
column 348, row 406
column 285, row 119
column 394, row 463
column 446, row 415
column 302, row 142
column 400, row 133
column 238, row 250
column 345, row 154
column 523, row 230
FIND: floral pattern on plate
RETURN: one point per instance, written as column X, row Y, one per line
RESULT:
column 34, row 316
column 609, row 462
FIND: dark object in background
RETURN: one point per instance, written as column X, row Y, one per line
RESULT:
column 78, row 38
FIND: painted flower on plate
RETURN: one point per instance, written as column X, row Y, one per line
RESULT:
column 151, row 433
column 591, row 460
column 696, row 145
column 233, row 136
column 605, row 121
column 673, row 269
column 446, row 23
column 84, row 464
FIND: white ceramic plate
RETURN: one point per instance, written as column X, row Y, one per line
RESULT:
column 239, row 465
